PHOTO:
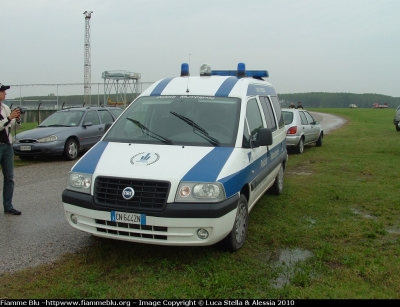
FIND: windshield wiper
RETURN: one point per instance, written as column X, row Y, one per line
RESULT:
column 189, row 121
column 201, row 131
column 150, row 133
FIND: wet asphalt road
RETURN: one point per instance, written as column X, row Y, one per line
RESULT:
column 42, row 234
column 328, row 122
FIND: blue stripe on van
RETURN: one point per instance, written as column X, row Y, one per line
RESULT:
column 161, row 86
column 233, row 183
column 226, row 87
column 208, row 168
column 89, row 161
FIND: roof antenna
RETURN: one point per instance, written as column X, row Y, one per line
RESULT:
column 187, row 86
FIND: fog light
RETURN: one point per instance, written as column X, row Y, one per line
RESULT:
column 202, row 233
column 74, row 219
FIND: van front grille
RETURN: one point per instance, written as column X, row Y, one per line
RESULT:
column 149, row 195
column 132, row 230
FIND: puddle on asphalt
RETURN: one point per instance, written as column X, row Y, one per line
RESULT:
column 285, row 262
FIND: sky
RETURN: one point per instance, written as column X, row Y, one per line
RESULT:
column 348, row 46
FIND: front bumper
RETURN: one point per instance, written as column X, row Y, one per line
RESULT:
column 40, row 149
column 176, row 225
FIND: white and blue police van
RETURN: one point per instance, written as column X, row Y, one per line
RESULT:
column 185, row 162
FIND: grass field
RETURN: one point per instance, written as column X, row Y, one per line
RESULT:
column 333, row 233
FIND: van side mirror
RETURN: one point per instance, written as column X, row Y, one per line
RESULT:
column 264, row 138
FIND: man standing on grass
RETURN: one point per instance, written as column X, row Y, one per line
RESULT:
column 8, row 120
column 299, row 105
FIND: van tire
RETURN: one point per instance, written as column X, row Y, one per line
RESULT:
column 277, row 187
column 319, row 141
column 300, row 146
column 236, row 238
column 397, row 128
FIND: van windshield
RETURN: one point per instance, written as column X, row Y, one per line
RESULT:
column 178, row 120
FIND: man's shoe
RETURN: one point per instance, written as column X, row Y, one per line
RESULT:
column 13, row 212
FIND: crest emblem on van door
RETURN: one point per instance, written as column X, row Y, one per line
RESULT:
column 128, row 193
column 145, row 158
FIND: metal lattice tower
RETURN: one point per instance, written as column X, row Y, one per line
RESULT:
column 120, row 81
column 87, row 66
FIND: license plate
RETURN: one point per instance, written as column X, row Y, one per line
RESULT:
column 130, row 218
column 25, row 148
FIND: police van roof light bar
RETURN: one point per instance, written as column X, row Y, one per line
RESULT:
column 241, row 72
column 205, row 70
column 249, row 73
column 185, row 70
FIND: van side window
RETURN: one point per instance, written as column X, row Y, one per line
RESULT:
column 254, row 122
column 278, row 111
column 268, row 113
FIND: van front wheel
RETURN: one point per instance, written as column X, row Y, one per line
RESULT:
column 235, row 239
column 277, row 187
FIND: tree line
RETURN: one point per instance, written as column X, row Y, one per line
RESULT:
column 308, row 100
column 337, row 100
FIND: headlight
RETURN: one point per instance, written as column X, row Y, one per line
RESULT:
column 200, row 192
column 50, row 138
column 79, row 182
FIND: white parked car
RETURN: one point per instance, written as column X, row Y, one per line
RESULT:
column 396, row 120
column 301, row 129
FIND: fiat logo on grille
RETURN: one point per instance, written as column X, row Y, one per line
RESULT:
column 128, row 193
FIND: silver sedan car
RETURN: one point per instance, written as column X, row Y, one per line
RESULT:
column 301, row 129
column 66, row 132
